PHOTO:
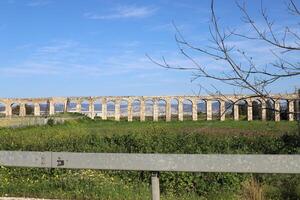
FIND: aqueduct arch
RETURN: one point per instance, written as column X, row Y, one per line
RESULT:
column 124, row 105
column 158, row 107
column 162, row 109
column 201, row 109
column 174, row 108
column 136, row 110
column 187, row 108
column 229, row 110
column 256, row 109
column 149, row 109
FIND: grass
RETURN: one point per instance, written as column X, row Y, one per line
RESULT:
column 83, row 135
column 44, row 138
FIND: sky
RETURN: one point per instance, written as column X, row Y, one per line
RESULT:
column 99, row 47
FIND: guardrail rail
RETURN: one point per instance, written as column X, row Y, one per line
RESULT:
column 237, row 163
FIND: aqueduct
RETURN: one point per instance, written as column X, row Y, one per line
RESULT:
column 157, row 107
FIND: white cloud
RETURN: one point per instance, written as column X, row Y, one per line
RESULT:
column 70, row 58
column 37, row 3
column 29, row 68
column 163, row 27
column 124, row 12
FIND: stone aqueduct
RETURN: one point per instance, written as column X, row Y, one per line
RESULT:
column 291, row 100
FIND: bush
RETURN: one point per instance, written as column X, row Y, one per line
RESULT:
column 51, row 122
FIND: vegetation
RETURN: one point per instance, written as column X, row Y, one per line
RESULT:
column 83, row 135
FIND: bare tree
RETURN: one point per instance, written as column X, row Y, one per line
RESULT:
column 240, row 69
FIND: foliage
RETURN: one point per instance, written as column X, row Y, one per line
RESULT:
column 50, row 122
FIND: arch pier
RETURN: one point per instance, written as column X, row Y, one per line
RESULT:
column 279, row 107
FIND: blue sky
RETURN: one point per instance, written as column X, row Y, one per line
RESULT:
column 98, row 47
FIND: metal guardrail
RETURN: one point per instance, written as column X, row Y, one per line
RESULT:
column 247, row 163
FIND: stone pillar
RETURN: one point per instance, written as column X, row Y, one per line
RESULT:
column 180, row 109
column 142, row 110
column 168, row 110
column 91, row 109
column 78, row 106
column 66, row 103
column 51, row 108
column 22, row 112
column 194, row 110
column 236, row 111
column 37, row 111
column 208, row 110
column 249, row 111
column 104, row 109
column 155, row 110
column 129, row 110
column 117, row 110
column 263, row 110
column 222, row 110
column 291, row 110
column 277, row 110
column 8, row 110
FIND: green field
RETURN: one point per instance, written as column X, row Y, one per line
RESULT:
column 150, row 137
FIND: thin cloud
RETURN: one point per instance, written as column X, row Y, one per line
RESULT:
column 124, row 12
column 70, row 58
column 37, row 3
column 162, row 27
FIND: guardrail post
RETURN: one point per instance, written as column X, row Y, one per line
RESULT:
column 155, row 186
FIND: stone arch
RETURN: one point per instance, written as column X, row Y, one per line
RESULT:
column 270, row 113
column 149, row 109
column 243, row 109
column 2, row 109
column 284, row 110
column 201, row 109
column 85, row 106
column 174, row 109
column 111, row 109
column 162, row 108
column 71, row 105
column 97, row 107
column 29, row 109
column 59, row 107
column 44, row 108
column 256, row 109
column 15, row 108
column 136, row 109
column 229, row 109
column 187, row 109
column 216, row 110
column 124, row 109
